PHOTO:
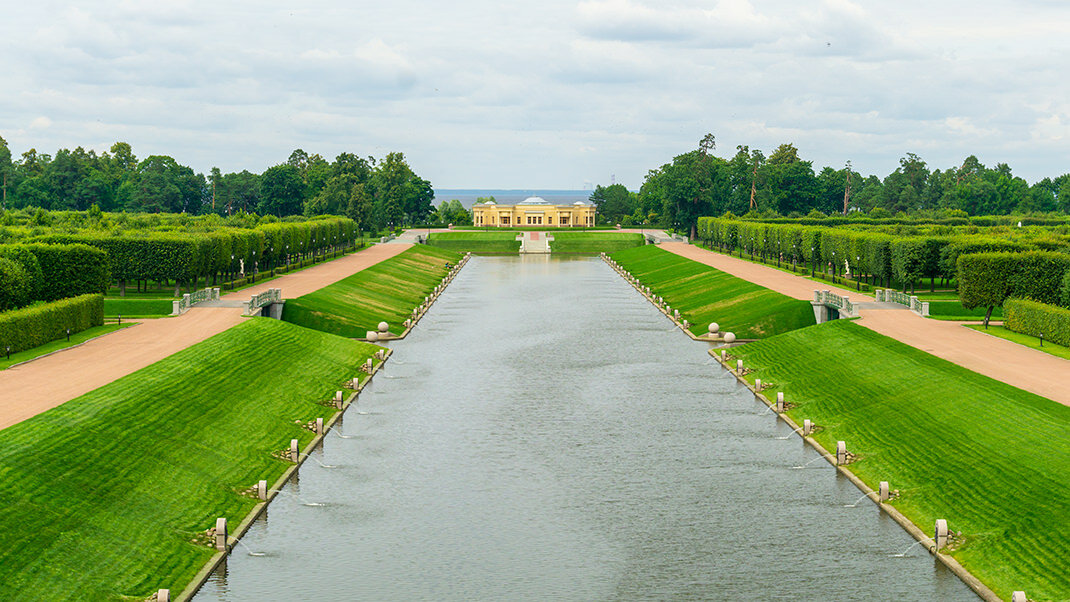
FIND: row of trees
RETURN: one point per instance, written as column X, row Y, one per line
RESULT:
column 374, row 193
column 700, row 183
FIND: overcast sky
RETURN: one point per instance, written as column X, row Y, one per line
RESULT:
column 549, row 94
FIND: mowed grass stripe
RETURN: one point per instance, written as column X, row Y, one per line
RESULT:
column 100, row 497
column 704, row 294
column 991, row 459
column 593, row 242
column 387, row 291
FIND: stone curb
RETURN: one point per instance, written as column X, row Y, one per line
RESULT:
column 220, row 557
column 953, row 565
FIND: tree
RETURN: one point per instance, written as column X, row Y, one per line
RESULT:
column 282, row 191
column 6, row 171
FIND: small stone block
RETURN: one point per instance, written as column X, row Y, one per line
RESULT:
column 808, row 427
column 1019, row 596
column 163, row 595
column 757, row 384
column 294, row 451
column 724, row 355
column 841, row 452
column 221, row 534
column 940, row 533
column 338, row 396
column 882, row 491
column 739, row 366
column 319, row 426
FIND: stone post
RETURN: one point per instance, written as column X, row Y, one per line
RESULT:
column 739, row 367
column 1019, row 596
column 724, row 356
column 261, row 490
column 780, row 402
column 882, row 491
column 940, row 533
column 369, row 365
column 163, row 595
column 294, row 451
column 841, row 452
column 319, row 426
column 758, row 385
column 808, row 427
column 221, row 534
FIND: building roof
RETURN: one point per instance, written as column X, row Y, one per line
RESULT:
column 534, row 200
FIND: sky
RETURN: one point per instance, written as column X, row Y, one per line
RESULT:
column 542, row 95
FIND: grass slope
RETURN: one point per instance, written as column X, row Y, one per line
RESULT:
column 991, row 459
column 139, row 308
column 593, row 242
column 386, row 291
column 704, row 294
column 100, row 497
column 480, row 243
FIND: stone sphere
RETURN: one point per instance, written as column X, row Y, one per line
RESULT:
column 372, row 336
column 714, row 327
column 729, row 337
column 383, row 326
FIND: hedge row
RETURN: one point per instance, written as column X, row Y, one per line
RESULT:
column 185, row 257
column 989, row 279
column 1033, row 318
column 1065, row 294
column 34, row 326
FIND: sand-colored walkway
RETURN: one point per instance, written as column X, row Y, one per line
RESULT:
column 45, row 383
column 1022, row 367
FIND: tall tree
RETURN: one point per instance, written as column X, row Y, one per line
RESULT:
column 282, row 191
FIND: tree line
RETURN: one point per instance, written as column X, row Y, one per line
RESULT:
column 699, row 183
column 376, row 194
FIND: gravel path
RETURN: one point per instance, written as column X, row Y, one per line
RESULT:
column 45, row 383
column 1016, row 365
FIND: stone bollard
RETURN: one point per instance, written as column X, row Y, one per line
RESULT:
column 676, row 314
column 372, row 336
column 780, row 402
column 739, row 366
column 687, row 325
column 808, row 427
column 841, row 452
column 261, row 490
column 294, row 451
column 729, row 337
column 940, row 533
column 757, row 385
column 319, row 426
column 163, row 595
column 221, row 534
column 406, row 323
column 338, row 396
column 714, row 327
column 724, row 356
column 1019, row 596
column 882, row 491
column 369, row 365
column 355, row 383
column 383, row 327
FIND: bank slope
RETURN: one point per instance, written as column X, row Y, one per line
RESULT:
column 101, row 496
column 991, row 459
column 593, row 243
column 479, row 243
column 387, row 291
column 704, row 294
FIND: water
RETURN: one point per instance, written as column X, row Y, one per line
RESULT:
column 547, row 439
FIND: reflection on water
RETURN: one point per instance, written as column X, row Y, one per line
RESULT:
column 544, row 436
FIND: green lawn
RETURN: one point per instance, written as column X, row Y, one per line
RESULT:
column 76, row 338
column 387, row 291
column 139, row 308
column 480, row 243
column 704, row 294
column 593, row 243
column 101, row 496
column 953, row 310
column 991, row 459
column 1023, row 339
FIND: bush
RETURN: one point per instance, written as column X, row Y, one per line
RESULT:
column 988, row 279
column 15, row 285
column 70, row 270
column 31, row 327
column 1065, row 296
column 1033, row 318
column 32, row 269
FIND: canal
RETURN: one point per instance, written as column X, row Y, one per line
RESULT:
column 545, row 433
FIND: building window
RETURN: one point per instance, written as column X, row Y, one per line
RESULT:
column 563, row 220
column 505, row 220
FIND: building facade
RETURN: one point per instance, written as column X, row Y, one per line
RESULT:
column 533, row 211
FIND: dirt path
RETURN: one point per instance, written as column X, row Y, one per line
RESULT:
column 45, row 383
column 1021, row 367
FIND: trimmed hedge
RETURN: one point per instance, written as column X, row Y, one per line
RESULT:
column 1065, row 296
column 1033, row 318
column 988, row 279
column 15, row 285
column 70, row 270
column 34, row 326
column 25, row 289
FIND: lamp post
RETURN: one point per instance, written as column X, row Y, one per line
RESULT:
column 858, row 283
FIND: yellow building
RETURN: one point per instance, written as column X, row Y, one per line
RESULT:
column 533, row 211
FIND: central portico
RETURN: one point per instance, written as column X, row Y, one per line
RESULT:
column 533, row 211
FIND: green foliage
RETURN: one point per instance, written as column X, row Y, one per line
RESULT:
column 704, row 294
column 70, row 270
column 949, row 255
column 1064, row 297
column 29, row 327
column 1033, row 318
column 987, row 457
column 16, row 285
column 157, row 464
column 987, row 279
column 386, row 292
column 594, row 242
column 480, row 243
column 134, row 308
column 916, row 258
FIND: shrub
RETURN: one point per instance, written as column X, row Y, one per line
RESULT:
column 1065, row 296
column 988, row 279
column 31, row 327
column 70, row 270
column 15, row 285
column 949, row 255
column 1033, row 318
column 32, row 268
